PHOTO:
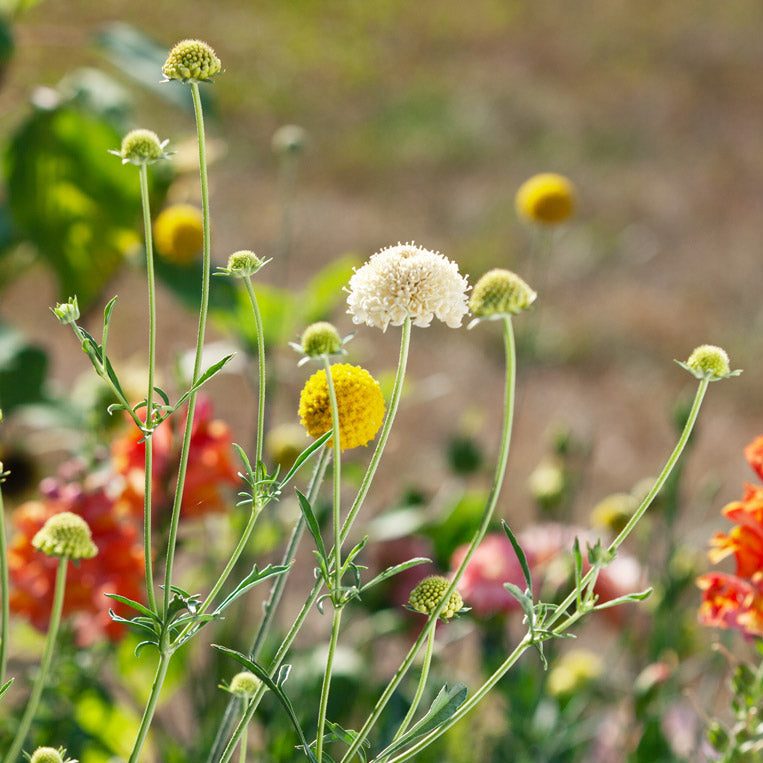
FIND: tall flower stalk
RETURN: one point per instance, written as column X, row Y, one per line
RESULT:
column 4, row 586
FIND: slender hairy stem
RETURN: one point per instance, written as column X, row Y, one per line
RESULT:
column 411, row 714
column 526, row 642
column 503, row 456
column 165, row 655
column 270, row 607
column 365, row 484
column 47, row 656
column 326, row 686
column 203, row 309
column 4, row 589
column 147, row 489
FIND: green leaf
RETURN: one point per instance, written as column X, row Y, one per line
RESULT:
column 442, row 708
column 203, row 379
column 7, row 685
column 276, row 688
column 520, row 555
column 302, row 457
column 255, row 577
column 136, row 605
column 312, row 525
column 391, row 571
column 638, row 596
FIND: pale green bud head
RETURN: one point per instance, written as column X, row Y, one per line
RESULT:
column 191, row 61
column 321, row 338
column 65, row 534
column 709, row 361
column 47, row 755
column 67, row 312
column 244, row 684
column 141, row 147
column 244, row 263
column 500, row 292
column 428, row 594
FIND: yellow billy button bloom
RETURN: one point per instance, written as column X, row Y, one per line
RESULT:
column 359, row 402
column 65, row 534
column 179, row 233
column 548, row 199
column 427, row 595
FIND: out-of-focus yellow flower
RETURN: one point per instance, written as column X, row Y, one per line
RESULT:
column 179, row 233
column 574, row 671
column 546, row 198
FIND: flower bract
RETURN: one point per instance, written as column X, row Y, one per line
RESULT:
column 407, row 281
column 360, row 405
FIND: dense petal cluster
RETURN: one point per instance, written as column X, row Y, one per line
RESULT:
column 117, row 568
column 179, row 233
column 359, row 401
column 407, row 281
column 428, row 594
column 500, row 292
column 191, row 61
column 547, row 198
column 736, row 601
column 65, row 534
column 210, row 468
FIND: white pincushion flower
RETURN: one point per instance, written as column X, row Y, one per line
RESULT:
column 407, row 280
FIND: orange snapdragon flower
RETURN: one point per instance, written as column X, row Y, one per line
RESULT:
column 210, row 465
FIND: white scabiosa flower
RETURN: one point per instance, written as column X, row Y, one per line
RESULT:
column 407, row 281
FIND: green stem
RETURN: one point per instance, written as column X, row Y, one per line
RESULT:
column 165, row 655
column 325, row 688
column 503, row 455
column 587, row 578
column 242, row 759
column 148, row 483
column 365, row 484
column 420, row 688
column 260, row 371
column 47, row 656
column 203, row 309
column 337, row 480
column 4, row 588
column 270, row 607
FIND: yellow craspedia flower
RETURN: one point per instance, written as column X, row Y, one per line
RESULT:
column 359, row 402
column 547, row 198
column 179, row 233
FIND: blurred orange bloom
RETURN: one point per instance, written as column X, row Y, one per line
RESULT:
column 745, row 540
column 117, row 568
column 210, row 466
column 729, row 601
column 754, row 455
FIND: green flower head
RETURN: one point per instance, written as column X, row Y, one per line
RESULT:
column 243, row 264
column 500, row 292
column 50, row 755
column 65, row 534
column 320, row 339
column 67, row 312
column 709, row 362
column 428, row 594
column 142, row 147
column 244, row 684
column 191, row 61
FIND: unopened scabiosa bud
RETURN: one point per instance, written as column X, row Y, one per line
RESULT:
column 547, row 198
column 288, row 139
column 407, row 281
column 191, row 61
column 67, row 312
column 428, row 594
column 65, row 534
column 244, row 684
column 50, row 755
column 243, row 264
column 142, row 147
column 709, row 362
column 320, row 340
column 500, row 292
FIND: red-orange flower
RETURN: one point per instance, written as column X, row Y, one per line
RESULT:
column 754, row 455
column 210, row 465
column 117, row 568
column 745, row 540
column 729, row 601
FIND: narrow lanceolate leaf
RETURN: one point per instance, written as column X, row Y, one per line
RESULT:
column 276, row 688
column 304, row 456
column 312, row 525
column 136, row 605
column 252, row 579
column 391, row 571
column 520, row 555
column 442, row 708
column 7, row 685
column 638, row 596
column 203, row 379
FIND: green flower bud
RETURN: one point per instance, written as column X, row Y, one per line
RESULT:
column 500, row 292
column 709, row 362
column 50, row 755
column 142, row 147
column 67, row 312
column 65, row 534
column 244, row 684
column 428, row 594
column 191, row 61
column 321, row 339
column 243, row 264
